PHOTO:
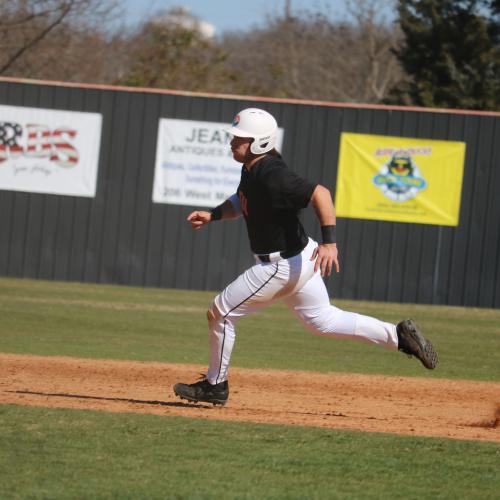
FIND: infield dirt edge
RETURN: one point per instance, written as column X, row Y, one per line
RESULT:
column 457, row 409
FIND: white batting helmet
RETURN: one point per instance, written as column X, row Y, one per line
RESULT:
column 257, row 124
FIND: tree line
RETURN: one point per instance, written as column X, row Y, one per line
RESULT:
column 433, row 53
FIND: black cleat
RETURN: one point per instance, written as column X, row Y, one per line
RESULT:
column 412, row 342
column 217, row 394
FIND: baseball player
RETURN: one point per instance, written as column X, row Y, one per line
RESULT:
column 289, row 265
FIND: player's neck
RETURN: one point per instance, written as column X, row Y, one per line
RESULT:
column 249, row 164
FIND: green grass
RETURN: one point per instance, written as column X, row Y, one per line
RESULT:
column 97, row 321
column 81, row 454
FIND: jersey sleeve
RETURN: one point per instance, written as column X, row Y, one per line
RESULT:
column 286, row 189
column 235, row 201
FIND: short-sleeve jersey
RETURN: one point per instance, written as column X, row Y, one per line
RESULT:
column 271, row 196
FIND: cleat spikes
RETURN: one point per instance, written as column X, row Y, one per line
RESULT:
column 413, row 343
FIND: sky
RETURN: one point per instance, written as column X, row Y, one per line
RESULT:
column 230, row 15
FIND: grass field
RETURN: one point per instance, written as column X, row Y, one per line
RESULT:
column 81, row 454
column 69, row 454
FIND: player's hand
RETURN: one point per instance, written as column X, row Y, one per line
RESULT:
column 199, row 218
column 326, row 255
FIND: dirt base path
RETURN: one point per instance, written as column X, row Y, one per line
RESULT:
column 411, row 406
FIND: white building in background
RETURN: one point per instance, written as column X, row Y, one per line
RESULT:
column 181, row 16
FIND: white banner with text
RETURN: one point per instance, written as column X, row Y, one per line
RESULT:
column 49, row 151
column 194, row 164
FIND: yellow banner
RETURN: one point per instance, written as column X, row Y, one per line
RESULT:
column 399, row 179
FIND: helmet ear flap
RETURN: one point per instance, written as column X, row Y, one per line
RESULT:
column 261, row 145
column 253, row 147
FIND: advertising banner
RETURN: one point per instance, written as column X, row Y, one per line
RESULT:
column 194, row 164
column 399, row 179
column 47, row 151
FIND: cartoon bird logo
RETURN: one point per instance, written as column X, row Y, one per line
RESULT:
column 400, row 179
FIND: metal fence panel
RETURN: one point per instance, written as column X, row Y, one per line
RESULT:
column 120, row 236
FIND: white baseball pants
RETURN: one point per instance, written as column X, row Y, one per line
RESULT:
column 295, row 283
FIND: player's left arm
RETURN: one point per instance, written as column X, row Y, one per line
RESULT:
column 326, row 253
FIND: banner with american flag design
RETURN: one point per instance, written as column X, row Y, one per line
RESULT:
column 49, row 151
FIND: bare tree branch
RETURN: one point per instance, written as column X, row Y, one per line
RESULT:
column 64, row 12
column 37, row 36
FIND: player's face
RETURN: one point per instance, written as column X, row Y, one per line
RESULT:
column 240, row 146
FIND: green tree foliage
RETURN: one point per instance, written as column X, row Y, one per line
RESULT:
column 451, row 54
column 168, row 55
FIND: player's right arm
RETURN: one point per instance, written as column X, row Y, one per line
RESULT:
column 230, row 209
column 326, row 253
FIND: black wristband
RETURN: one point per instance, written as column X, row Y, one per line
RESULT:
column 328, row 234
column 216, row 213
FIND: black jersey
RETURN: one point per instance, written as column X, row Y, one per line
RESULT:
column 271, row 196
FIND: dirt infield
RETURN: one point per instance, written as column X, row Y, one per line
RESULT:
column 411, row 406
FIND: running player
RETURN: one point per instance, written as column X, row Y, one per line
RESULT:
column 288, row 264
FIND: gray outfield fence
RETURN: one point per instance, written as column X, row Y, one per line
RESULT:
column 120, row 236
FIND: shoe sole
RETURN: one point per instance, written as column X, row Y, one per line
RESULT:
column 215, row 402
column 426, row 352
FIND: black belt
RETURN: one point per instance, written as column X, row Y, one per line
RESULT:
column 285, row 255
